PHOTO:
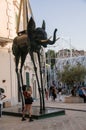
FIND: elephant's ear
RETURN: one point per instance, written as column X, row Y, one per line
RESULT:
column 30, row 26
column 43, row 25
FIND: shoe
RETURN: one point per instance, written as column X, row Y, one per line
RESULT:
column 30, row 120
column 23, row 119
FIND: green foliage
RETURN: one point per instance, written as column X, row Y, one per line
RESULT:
column 72, row 74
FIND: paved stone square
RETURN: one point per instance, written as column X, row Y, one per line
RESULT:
column 72, row 120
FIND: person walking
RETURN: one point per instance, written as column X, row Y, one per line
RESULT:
column 54, row 93
column 60, row 93
column 46, row 93
column 28, row 102
column 82, row 93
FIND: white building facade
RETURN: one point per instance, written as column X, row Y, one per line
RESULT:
column 8, row 79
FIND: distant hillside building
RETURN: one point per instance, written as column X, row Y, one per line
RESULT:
column 64, row 53
column 61, row 62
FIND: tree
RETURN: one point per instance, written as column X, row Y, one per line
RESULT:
column 72, row 74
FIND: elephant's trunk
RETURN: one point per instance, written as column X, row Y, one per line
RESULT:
column 48, row 41
column 54, row 37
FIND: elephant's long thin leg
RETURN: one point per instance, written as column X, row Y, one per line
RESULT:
column 23, row 57
column 17, row 73
column 41, row 81
column 35, row 69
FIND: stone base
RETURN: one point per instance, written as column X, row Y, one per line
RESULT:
column 49, row 112
column 71, row 99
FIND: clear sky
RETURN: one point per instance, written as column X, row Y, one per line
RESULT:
column 68, row 16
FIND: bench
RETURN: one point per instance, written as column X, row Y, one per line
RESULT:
column 73, row 99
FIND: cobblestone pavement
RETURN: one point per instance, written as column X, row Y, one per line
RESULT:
column 72, row 120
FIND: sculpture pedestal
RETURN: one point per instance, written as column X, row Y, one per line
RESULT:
column 49, row 112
